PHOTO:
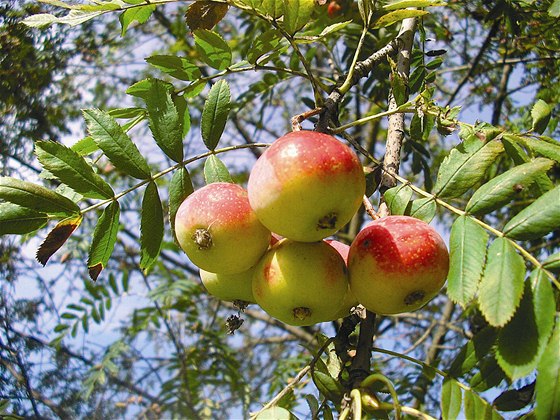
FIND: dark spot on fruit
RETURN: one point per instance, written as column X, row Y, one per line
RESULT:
column 328, row 221
column 301, row 313
column 518, row 188
column 202, row 238
column 414, row 297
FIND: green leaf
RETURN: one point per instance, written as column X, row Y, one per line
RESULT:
column 263, row 44
column 489, row 376
column 215, row 170
column 139, row 14
column 396, row 16
column 503, row 188
column 18, row 220
column 501, row 286
column 115, row 143
column 476, row 408
column 541, row 113
column 212, row 48
column 180, row 188
column 519, row 156
column 104, row 238
column 397, row 198
column 548, row 148
column 71, row 169
column 151, row 227
column 554, row 9
column 517, row 348
column 403, row 4
column 275, row 413
column 133, row 112
column 73, row 18
column 536, row 220
column 85, row 146
column 179, row 67
column 297, row 13
column 552, row 262
column 548, row 379
column 466, row 164
column 215, row 113
column 423, row 209
column 36, row 197
column 166, row 123
column 467, row 255
column 57, row 237
column 273, row 8
column 451, row 399
column 327, row 385
column 473, row 352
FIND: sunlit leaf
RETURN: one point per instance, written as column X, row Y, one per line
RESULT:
column 467, row 255
column 139, row 14
column 541, row 113
column 397, row 198
column 466, row 164
column 297, row 13
column 501, row 286
column 212, row 48
column 476, row 408
column 71, row 169
column 536, row 220
column 503, row 188
column 422, row 208
column 403, row 4
column 396, row 16
column 115, row 143
column 215, row 170
column 275, row 413
column 451, row 399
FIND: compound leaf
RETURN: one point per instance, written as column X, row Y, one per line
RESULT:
column 212, row 48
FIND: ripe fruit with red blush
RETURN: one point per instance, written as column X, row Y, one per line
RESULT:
column 300, row 283
column 219, row 231
column 229, row 287
column 397, row 264
column 306, row 186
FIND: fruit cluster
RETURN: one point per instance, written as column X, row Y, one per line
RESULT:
column 267, row 244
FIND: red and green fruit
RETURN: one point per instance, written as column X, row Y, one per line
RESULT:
column 301, row 283
column 306, row 186
column 397, row 264
column 229, row 287
column 219, row 231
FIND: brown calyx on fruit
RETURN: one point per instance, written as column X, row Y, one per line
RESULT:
column 301, row 313
column 202, row 238
column 328, row 221
column 414, row 297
